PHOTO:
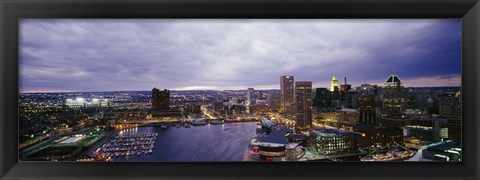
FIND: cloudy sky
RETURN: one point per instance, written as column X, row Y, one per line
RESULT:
column 59, row 55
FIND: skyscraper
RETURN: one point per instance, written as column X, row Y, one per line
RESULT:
column 334, row 83
column 286, row 92
column 367, row 103
column 393, row 97
column 366, row 107
column 323, row 99
column 303, row 103
column 160, row 100
column 251, row 98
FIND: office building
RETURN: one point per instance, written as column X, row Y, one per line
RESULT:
column 286, row 92
column 323, row 100
column 393, row 97
column 366, row 107
column 332, row 141
column 303, row 103
column 251, row 97
column 160, row 100
column 454, row 126
column 352, row 99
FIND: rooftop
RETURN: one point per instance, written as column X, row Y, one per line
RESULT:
column 276, row 136
column 330, row 132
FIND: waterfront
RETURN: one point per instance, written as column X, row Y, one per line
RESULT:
column 325, row 95
column 222, row 142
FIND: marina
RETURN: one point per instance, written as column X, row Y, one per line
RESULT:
column 218, row 142
column 128, row 144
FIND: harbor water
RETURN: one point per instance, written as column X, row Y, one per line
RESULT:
column 211, row 142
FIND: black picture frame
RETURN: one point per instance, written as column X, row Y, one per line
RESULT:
column 12, row 10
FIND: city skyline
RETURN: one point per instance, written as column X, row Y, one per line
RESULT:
column 123, row 55
column 238, row 89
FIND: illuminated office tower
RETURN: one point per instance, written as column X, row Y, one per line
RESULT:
column 286, row 92
column 393, row 97
column 160, row 100
column 303, row 103
column 334, row 83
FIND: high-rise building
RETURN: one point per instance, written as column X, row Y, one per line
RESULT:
column 251, row 97
column 303, row 103
column 393, row 97
column 323, row 99
column 160, row 100
column 334, row 83
column 367, row 101
column 366, row 107
column 352, row 99
column 286, row 92
column 454, row 126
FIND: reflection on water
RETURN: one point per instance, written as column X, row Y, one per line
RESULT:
column 225, row 142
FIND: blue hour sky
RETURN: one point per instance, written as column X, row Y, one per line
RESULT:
column 62, row 55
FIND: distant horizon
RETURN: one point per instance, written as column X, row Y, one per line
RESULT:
column 202, row 90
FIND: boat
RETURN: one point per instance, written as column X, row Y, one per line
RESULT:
column 186, row 126
column 130, row 144
column 164, row 127
column 199, row 123
column 391, row 152
column 217, row 121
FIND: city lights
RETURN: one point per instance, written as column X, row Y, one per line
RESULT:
column 240, row 90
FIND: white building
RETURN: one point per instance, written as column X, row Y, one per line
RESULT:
column 82, row 103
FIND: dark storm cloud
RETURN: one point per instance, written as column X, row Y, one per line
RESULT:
column 97, row 55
